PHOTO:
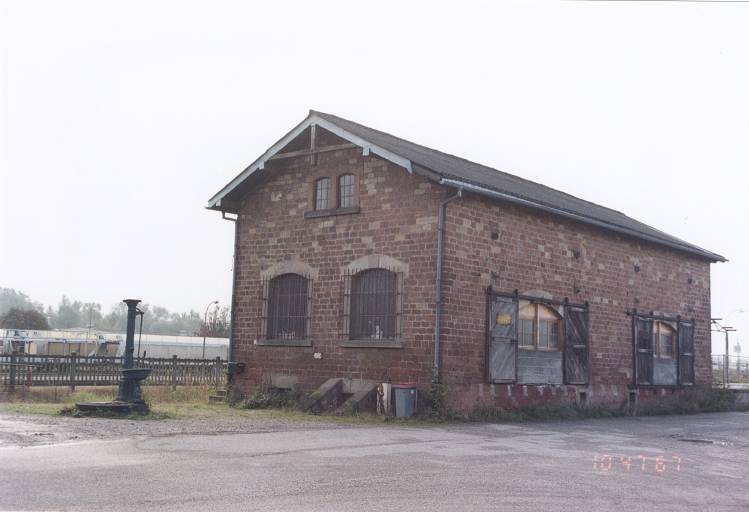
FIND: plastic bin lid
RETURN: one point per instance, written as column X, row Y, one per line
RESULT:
column 404, row 384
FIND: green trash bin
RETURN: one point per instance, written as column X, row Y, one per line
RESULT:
column 405, row 399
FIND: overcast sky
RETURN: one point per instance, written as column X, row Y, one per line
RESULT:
column 119, row 120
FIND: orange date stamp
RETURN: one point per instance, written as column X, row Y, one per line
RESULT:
column 659, row 464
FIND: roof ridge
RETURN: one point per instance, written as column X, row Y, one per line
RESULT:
column 403, row 152
column 515, row 176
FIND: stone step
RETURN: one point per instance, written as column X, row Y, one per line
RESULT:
column 363, row 400
column 325, row 398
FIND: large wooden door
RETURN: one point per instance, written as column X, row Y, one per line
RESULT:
column 502, row 339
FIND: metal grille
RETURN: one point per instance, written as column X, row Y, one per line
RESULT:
column 322, row 194
column 288, row 307
column 374, row 305
column 346, row 191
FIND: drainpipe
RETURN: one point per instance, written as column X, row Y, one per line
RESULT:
column 438, row 286
column 233, row 284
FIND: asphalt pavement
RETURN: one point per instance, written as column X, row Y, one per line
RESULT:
column 696, row 462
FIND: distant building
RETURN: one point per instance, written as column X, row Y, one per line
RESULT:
column 102, row 343
column 341, row 271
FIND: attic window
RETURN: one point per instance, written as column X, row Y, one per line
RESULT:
column 334, row 196
column 346, row 191
column 322, row 194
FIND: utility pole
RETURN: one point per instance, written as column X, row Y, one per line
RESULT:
column 725, row 330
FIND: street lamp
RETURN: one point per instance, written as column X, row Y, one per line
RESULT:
column 205, row 322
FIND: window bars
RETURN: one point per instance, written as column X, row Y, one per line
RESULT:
column 286, row 307
column 373, row 303
column 346, row 191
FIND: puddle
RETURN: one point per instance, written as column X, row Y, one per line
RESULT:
column 701, row 440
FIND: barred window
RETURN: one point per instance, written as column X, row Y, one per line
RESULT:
column 287, row 307
column 346, row 191
column 374, row 301
column 322, row 194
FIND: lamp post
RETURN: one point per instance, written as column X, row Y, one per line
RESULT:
column 205, row 322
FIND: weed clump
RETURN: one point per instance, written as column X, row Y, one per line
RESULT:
column 695, row 401
column 269, row 397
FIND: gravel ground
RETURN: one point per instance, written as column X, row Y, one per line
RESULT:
column 30, row 429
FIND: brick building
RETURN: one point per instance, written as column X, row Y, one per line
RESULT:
column 361, row 255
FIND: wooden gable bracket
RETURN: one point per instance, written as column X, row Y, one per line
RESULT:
column 310, row 152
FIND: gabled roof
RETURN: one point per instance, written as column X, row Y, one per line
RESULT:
column 457, row 172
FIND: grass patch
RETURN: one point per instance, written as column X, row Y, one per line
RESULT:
column 192, row 403
column 31, row 408
column 187, row 402
column 696, row 401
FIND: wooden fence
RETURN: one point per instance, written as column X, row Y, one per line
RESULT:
column 72, row 370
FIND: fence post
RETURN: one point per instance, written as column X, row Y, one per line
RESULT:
column 12, row 382
column 72, row 371
column 174, row 372
column 216, row 372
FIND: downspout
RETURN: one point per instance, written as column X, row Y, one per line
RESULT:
column 233, row 285
column 438, row 285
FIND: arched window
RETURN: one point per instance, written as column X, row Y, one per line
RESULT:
column 664, row 340
column 346, row 191
column 539, row 327
column 374, row 305
column 322, row 194
column 288, row 308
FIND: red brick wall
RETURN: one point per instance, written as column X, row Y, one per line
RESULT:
column 398, row 218
column 535, row 251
